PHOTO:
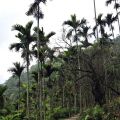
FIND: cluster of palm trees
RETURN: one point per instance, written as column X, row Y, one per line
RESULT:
column 79, row 30
column 25, row 37
column 35, row 44
column 23, row 45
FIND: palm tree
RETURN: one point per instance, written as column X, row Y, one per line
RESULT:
column 25, row 38
column 37, row 13
column 116, row 6
column 110, row 19
column 35, row 9
column 75, row 25
column 95, row 16
column 17, row 71
column 50, row 54
column 101, row 24
column 42, row 51
column 48, row 70
column 84, row 33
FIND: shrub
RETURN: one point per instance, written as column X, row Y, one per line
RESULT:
column 107, row 112
column 94, row 113
column 59, row 113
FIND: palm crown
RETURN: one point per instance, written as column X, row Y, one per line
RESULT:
column 17, row 69
column 25, row 38
column 74, row 25
column 35, row 10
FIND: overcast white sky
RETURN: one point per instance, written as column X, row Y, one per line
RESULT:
column 56, row 11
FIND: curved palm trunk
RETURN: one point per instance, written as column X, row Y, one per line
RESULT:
column 95, row 17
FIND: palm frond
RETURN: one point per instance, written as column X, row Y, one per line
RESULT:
column 18, row 66
column 109, row 2
column 32, row 9
column 73, row 22
column 99, row 16
column 43, row 1
column 16, row 46
column 100, row 21
column 12, row 70
column 73, row 18
column 39, row 15
column 35, row 29
column 29, row 25
column 20, row 36
column 50, row 35
column 41, row 32
column 116, row 6
column 110, row 19
column 19, row 28
column 86, row 29
column 83, row 21
column 17, row 69
column 68, row 22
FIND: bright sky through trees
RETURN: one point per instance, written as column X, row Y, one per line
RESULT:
column 56, row 12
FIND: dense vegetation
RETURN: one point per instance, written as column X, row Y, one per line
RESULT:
column 78, row 76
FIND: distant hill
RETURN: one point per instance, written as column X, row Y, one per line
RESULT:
column 12, row 83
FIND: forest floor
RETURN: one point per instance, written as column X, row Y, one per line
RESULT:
column 73, row 118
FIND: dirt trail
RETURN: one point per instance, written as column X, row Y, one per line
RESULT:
column 73, row 118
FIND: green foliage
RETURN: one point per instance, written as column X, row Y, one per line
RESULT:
column 94, row 113
column 2, row 90
column 81, row 75
column 107, row 112
column 11, row 117
column 59, row 113
column 112, row 110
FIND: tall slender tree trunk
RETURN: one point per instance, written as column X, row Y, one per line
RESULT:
column 28, row 84
column 79, row 74
column 80, row 89
column 39, row 81
column 118, row 17
column 95, row 13
column 43, row 89
column 19, row 95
